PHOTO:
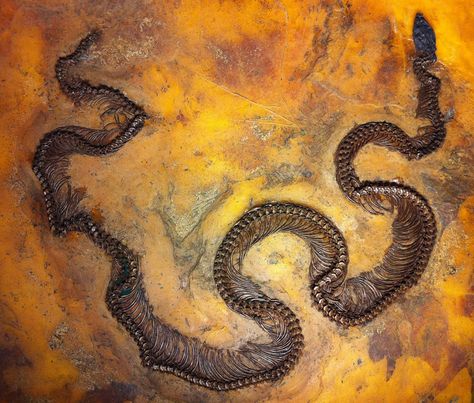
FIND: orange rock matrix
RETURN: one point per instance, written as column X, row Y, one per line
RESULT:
column 248, row 102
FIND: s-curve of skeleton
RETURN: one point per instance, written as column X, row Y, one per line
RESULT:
column 347, row 301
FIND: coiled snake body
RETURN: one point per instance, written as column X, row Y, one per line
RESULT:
column 352, row 301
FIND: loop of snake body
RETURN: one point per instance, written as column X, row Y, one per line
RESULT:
column 348, row 302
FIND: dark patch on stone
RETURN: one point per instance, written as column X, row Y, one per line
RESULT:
column 427, row 398
column 13, row 357
column 457, row 359
column 11, row 395
column 454, row 184
column 114, row 393
column 468, row 305
column 390, row 65
column 452, row 270
column 386, row 345
column 102, row 339
column 319, row 49
column 451, row 191
column 341, row 22
column 388, row 68
column 390, row 38
column 180, row 117
column 429, row 328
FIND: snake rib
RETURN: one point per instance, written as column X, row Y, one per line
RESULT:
column 349, row 302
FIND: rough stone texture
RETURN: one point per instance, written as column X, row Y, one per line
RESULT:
column 248, row 102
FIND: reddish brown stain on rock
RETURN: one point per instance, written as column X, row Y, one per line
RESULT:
column 431, row 331
column 248, row 62
column 468, row 305
column 386, row 344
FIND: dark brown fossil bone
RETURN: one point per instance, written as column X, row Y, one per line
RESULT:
column 348, row 301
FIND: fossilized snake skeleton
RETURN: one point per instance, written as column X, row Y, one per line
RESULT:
column 348, row 302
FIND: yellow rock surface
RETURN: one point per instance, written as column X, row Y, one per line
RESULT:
column 249, row 100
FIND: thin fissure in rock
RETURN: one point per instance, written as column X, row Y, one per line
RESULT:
column 347, row 301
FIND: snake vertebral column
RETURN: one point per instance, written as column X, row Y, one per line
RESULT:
column 349, row 302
